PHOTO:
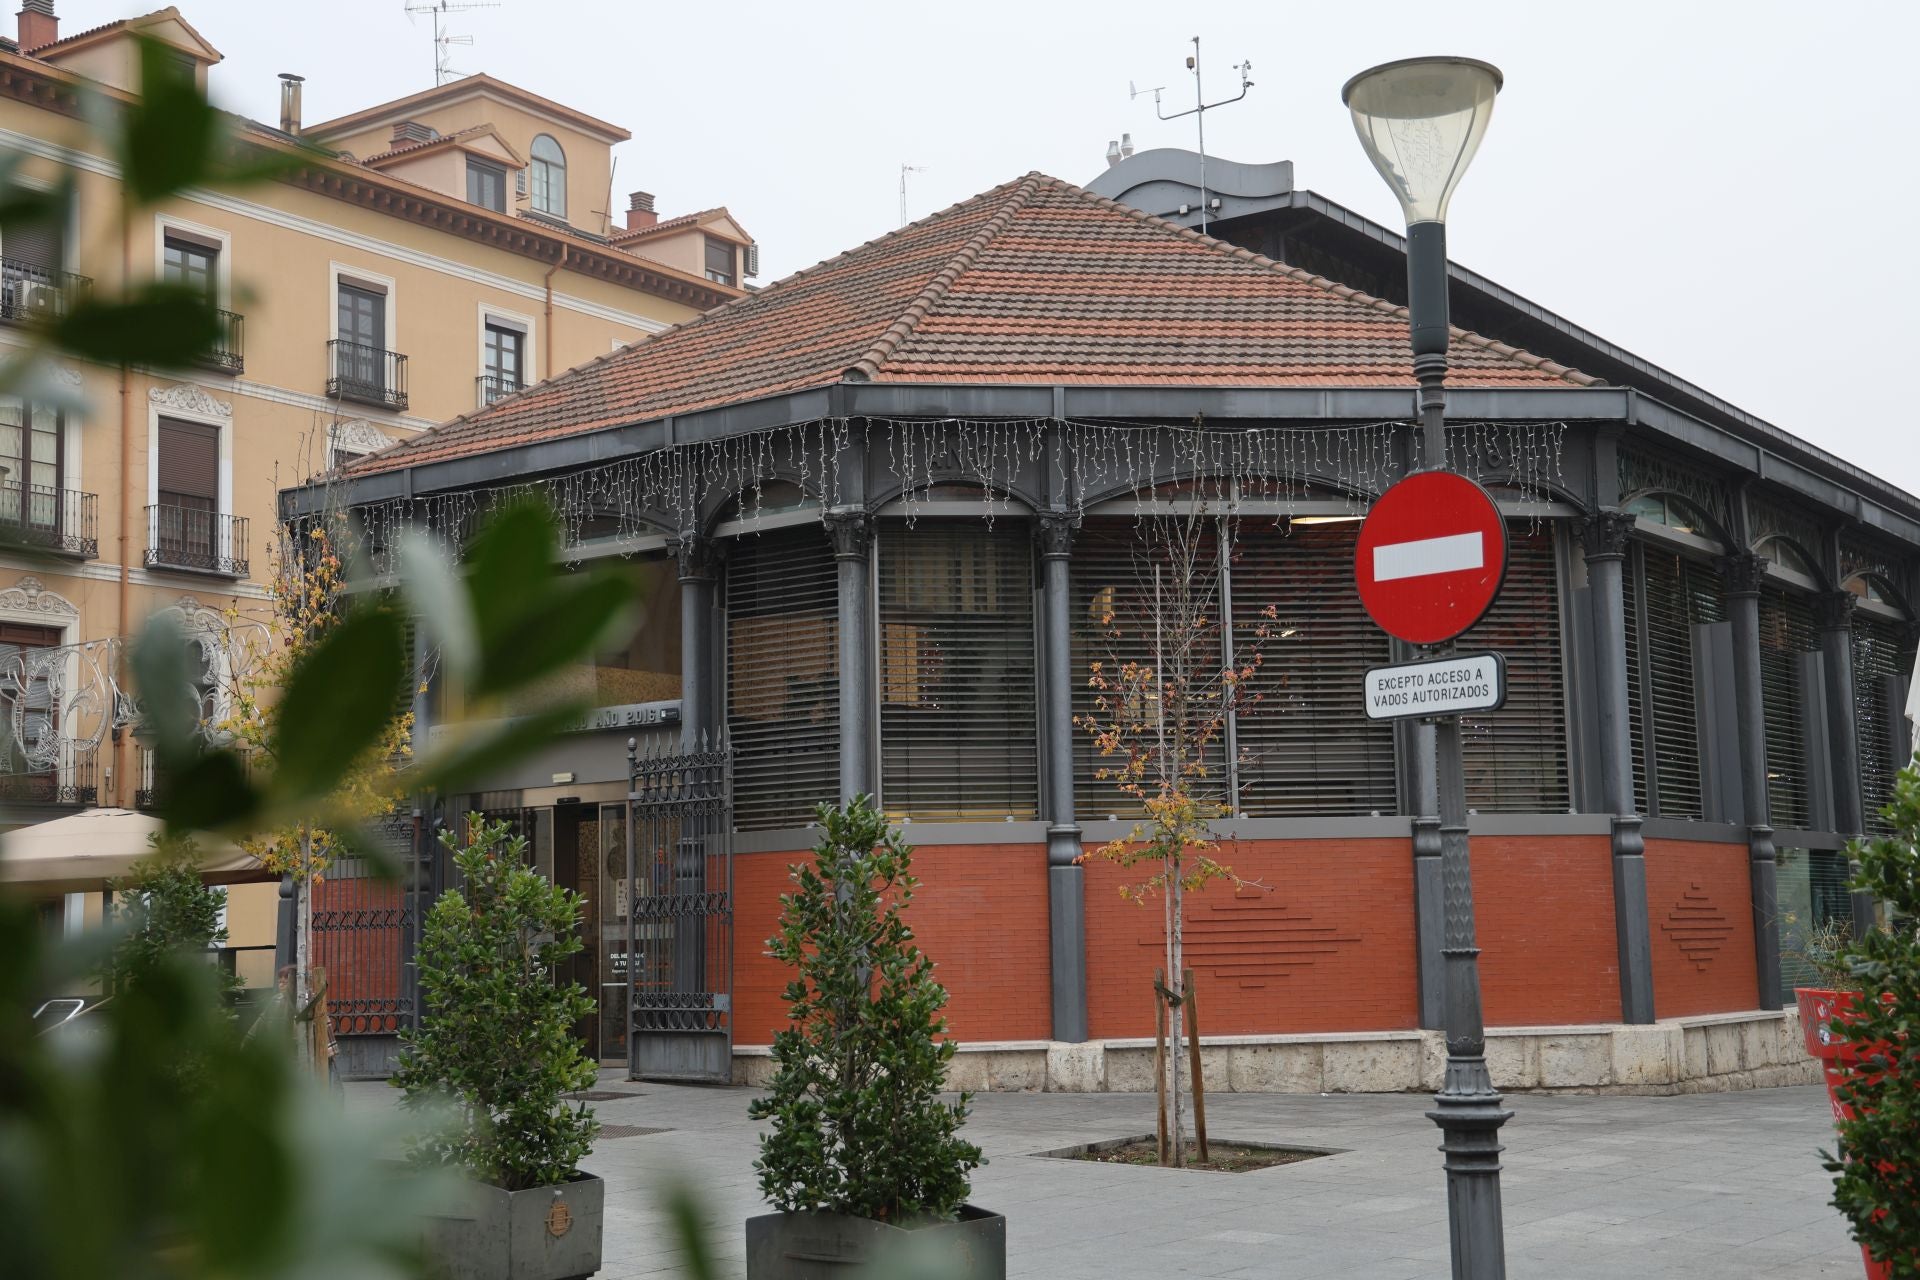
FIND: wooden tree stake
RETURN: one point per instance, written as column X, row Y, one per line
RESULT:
column 1191, row 999
column 1160, row 1058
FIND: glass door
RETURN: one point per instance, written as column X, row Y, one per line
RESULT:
column 614, row 976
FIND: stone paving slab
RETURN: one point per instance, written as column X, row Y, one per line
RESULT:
column 1704, row 1186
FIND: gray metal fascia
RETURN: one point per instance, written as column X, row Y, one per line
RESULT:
column 956, row 400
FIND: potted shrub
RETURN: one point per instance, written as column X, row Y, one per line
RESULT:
column 864, row 1157
column 1861, row 1030
column 496, row 1048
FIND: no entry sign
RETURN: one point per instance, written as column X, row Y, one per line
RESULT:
column 1431, row 558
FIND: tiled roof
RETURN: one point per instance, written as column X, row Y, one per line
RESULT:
column 1036, row 281
column 679, row 223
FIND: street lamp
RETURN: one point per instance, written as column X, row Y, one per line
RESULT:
column 1421, row 120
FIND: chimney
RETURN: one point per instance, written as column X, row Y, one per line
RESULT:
column 38, row 26
column 290, row 102
column 1113, row 153
column 1126, row 146
column 640, row 214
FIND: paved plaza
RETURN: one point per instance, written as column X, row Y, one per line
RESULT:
column 1704, row 1186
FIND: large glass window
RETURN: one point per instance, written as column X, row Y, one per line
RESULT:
column 642, row 666
column 486, row 185
column 29, row 464
column 1789, row 667
column 1812, row 896
column 1882, row 659
column 783, row 676
column 720, row 261
column 957, row 696
column 190, row 263
column 503, row 351
column 548, row 166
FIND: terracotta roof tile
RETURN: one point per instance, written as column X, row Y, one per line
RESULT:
column 1033, row 281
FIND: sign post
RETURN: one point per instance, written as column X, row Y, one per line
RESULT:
column 1430, row 561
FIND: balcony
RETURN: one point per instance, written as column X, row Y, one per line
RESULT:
column 197, row 541
column 228, row 353
column 63, row 521
column 490, row 387
column 366, row 375
column 73, row 781
column 29, row 293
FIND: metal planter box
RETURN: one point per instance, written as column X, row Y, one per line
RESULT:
column 542, row 1233
column 831, row 1246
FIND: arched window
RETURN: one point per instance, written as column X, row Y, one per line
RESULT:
column 549, row 177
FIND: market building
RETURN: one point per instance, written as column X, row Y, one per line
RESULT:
column 877, row 514
column 429, row 254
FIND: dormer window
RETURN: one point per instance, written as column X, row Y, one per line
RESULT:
column 549, row 177
column 486, row 185
column 720, row 261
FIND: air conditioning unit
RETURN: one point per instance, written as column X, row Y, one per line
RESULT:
column 37, row 299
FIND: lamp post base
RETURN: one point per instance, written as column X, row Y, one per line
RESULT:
column 1469, row 1114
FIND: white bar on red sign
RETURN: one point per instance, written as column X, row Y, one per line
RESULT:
column 1450, row 554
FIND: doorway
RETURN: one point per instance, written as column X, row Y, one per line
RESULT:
column 590, row 857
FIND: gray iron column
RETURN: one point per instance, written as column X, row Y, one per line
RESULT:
column 1066, row 882
column 1743, row 573
column 1835, row 611
column 699, row 715
column 1421, row 784
column 1606, row 546
column 851, row 533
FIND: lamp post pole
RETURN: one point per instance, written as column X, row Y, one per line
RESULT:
column 1421, row 121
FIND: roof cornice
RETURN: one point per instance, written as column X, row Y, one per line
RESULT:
column 479, row 83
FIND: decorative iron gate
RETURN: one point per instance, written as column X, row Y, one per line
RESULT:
column 679, row 910
column 365, row 927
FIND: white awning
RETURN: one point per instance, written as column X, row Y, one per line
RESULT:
column 85, row 850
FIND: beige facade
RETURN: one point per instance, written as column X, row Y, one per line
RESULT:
column 463, row 302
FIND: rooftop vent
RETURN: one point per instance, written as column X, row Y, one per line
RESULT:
column 640, row 214
column 290, row 102
column 413, row 131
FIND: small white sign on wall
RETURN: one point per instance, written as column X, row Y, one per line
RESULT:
column 1437, row 687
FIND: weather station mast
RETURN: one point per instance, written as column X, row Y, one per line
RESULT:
column 1199, row 111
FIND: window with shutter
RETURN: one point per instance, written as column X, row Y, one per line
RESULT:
column 1304, row 746
column 783, row 685
column 1678, row 595
column 958, row 737
column 1881, row 661
column 1112, row 574
column 33, row 242
column 1786, row 631
column 1516, row 758
column 1632, row 587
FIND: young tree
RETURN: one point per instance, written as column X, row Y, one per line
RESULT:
column 498, row 1040
column 307, row 580
column 1162, row 698
column 168, row 911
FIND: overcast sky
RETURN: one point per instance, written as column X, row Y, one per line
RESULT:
column 1710, row 185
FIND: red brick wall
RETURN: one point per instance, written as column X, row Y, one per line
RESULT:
column 1543, row 913
column 1700, row 913
column 980, row 913
column 1330, row 948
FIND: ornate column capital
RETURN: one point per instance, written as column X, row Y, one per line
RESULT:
column 850, row 532
column 698, row 557
column 1053, row 534
column 1743, row 572
column 1605, row 534
column 1833, row 610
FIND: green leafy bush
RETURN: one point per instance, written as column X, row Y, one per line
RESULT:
column 858, row 1123
column 1877, row 1166
column 497, row 1039
column 166, row 910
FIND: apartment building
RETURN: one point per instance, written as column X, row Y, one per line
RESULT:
column 434, row 254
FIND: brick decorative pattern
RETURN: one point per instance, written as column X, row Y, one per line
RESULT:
column 1329, row 949
column 1697, row 925
column 1543, row 914
column 1703, row 930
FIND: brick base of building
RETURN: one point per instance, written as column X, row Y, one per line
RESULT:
column 1710, row 1054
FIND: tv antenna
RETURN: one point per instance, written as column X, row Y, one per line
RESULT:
column 906, row 169
column 1199, row 111
column 442, row 59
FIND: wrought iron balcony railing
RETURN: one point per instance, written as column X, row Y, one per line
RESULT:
column 198, row 540
column 491, row 387
column 228, row 353
column 73, row 780
column 366, row 375
column 58, row 520
column 29, row 293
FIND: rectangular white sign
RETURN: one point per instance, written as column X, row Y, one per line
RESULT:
column 1439, row 687
column 1425, row 556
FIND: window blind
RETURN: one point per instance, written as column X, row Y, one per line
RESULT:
column 1680, row 593
column 1112, row 576
column 1516, row 758
column 1786, row 631
column 958, row 738
column 1880, row 662
column 189, row 456
column 1633, row 581
column 783, row 687
column 1305, row 746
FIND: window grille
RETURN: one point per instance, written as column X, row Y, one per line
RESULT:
column 1516, row 758
column 1305, row 747
column 783, row 686
column 1679, row 595
column 957, row 692
column 1786, row 631
column 1881, row 661
column 1112, row 577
